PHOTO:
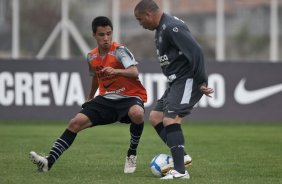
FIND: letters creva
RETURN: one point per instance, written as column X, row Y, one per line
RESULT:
column 40, row 89
column 66, row 89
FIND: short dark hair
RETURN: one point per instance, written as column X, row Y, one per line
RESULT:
column 146, row 5
column 101, row 21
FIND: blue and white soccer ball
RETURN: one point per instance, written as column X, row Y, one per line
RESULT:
column 159, row 162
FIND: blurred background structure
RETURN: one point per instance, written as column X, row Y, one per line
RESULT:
column 228, row 30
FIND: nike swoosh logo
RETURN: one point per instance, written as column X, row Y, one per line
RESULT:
column 244, row 96
column 108, row 85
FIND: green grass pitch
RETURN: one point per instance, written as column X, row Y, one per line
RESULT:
column 224, row 153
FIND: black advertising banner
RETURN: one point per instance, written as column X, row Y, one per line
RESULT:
column 42, row 89
column 55, row 89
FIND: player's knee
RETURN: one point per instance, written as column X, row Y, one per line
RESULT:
column 137, row 115
column 75, row 125
column 154, row 119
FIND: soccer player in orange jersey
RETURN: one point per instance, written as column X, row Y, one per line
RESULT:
column 121, row 97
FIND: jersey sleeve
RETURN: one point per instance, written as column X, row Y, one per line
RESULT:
column 91, row 71
column 125, row 57
column 180, row 37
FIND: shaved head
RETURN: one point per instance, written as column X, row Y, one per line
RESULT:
column 148, row 14
column 146, row 5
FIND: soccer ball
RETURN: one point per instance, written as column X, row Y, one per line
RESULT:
column 158, row 162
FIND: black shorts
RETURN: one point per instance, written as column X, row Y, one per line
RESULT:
column 179, row 98
column 103, row 111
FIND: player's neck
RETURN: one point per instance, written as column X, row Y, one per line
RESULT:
column 103, row 52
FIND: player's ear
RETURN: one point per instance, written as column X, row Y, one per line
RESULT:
column 148, row 14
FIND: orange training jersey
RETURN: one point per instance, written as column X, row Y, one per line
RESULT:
column 114, row 83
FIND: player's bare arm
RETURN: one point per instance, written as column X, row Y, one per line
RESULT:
column 94, row 87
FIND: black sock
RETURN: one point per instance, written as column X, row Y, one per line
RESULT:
column 175, row 141
column 135, row 135
column 160, row 129
column 61, row 145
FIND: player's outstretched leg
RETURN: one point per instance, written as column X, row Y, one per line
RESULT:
column 131, row 158
column 44, row 164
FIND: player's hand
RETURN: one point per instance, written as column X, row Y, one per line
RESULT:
column 109, row 71
column 206, row 90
